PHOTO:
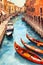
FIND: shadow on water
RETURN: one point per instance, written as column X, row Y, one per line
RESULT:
column 6, row 46
column 1, row 53
column 9, row 38
column 5, row 50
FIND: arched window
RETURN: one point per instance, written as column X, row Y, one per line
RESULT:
column 35, row 18
column 42, row 22
column 41, row 11
column 39, row 19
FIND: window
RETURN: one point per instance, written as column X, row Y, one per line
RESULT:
column 32, row 9
column 41, row 11
column 42, row 22
column 39, row 19
column 35, row 18
column 32, row 2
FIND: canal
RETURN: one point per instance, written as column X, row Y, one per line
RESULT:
column 8, row 55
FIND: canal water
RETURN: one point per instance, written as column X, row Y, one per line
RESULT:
column 8, row 55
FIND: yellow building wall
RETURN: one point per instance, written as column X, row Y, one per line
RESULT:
column 23, row 9
column 4, row 2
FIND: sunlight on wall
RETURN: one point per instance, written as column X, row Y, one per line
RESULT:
column 19, row 3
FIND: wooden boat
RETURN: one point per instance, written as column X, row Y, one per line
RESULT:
column 39, row 43
column 32, row 47
column 27, row 54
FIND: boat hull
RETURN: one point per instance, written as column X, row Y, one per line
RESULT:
column 26, row 54
column 32, row 47
column 9, row 34
column 39, row 43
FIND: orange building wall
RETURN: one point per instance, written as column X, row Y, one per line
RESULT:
column 36, row 5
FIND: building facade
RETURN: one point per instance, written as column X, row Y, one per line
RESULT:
column 9, row 7
column 35, row 11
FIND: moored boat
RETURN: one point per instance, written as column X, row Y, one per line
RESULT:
column 10, row 28
column 28, row 54
column 39, row 43
column 32, row 47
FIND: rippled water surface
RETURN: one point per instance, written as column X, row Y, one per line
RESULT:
column 8, row 55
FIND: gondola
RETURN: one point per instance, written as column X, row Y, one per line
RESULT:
column 32, row 47
column 27, row 54
column 39, row 43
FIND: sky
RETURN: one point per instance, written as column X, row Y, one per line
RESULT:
column 19, row 3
